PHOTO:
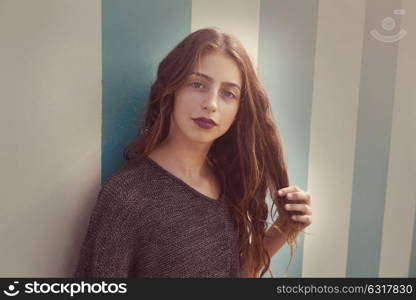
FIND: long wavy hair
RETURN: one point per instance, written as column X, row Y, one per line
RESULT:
column 248, row 158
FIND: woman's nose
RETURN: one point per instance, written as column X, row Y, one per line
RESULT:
column 211, row 102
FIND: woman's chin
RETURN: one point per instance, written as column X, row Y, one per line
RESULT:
column 201, row 138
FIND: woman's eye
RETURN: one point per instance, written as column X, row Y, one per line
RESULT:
column 196, row 84
column 229, row 94
column 199, row 85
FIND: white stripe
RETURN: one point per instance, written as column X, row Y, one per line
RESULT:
column 333, row 127
column 400, row 196
column 50, row 124
column 237, row 17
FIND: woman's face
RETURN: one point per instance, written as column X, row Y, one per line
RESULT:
column 210, row 91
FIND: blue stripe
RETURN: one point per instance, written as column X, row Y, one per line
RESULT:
column 136, row 35
column 286, row 58
column 378, row 76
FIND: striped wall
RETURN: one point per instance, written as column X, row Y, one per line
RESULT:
column 398, row 243
column 286, row 68
column 342, row 93
column 372, row 140
column 333, row 128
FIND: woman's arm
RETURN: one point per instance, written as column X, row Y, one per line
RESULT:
column 110, row 242
column 273, row 241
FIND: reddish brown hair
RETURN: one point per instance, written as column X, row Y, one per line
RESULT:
column 248, row 157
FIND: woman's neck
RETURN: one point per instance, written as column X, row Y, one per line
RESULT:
column 187, row 161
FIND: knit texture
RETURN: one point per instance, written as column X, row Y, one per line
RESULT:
column 149, row 223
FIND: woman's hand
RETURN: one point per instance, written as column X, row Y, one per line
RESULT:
column 293, row 193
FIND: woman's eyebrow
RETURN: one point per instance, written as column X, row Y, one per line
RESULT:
column 211, row 79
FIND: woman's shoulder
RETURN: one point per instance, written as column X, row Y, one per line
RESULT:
column 132, row 171
column 129, row 181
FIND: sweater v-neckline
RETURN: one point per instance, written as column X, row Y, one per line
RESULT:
column 183, row 183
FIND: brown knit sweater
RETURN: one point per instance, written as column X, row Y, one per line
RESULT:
column 149, row 223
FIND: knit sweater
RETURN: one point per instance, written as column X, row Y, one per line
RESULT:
column 149, row 223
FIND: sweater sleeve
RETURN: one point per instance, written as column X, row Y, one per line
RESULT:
column 109, row 246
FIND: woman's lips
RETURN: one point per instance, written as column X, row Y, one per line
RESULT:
column 202, row 124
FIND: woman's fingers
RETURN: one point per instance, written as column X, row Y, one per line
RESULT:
column 306, row 219
column 299, row 207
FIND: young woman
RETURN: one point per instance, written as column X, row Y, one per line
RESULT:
column 190, row 200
